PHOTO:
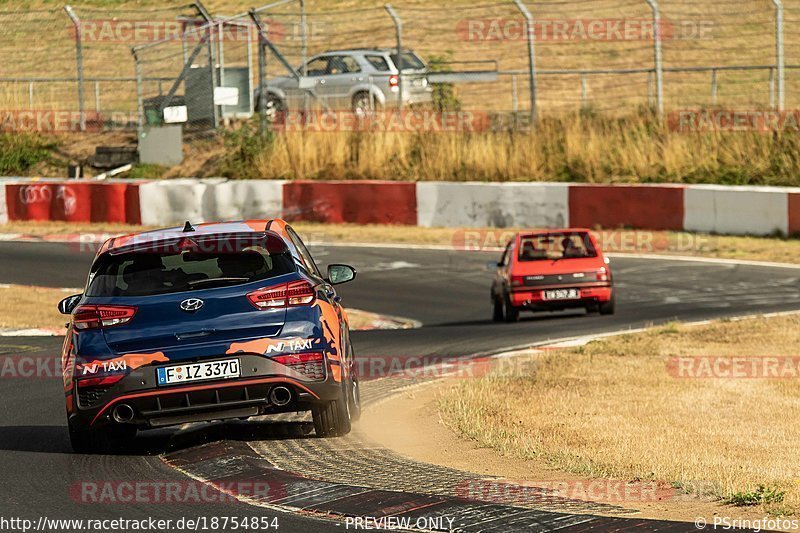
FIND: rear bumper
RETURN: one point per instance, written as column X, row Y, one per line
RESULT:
column 534, row 299
column 247, row 395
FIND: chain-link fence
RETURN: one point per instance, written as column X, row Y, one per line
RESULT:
column 517, row 57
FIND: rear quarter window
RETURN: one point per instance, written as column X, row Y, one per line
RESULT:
column 379, row 63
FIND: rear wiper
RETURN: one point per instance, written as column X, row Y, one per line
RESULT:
column 209, row 281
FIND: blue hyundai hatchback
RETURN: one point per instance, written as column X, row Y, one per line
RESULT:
column 218, row 321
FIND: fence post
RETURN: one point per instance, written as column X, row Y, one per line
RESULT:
column 79, row 62
column 531, row 38
column 779, row 51
column 304, row 50
column 212, row 66
column 398, row 28
column 657, row 55
column 262, row 75
column 139, row 92
column 714, row 86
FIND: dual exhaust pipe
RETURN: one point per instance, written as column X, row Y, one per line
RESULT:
column 279, row 396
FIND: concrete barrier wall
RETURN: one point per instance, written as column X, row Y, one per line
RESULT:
column 658, row 207
column 500, row 205
column 736, row 210
column 358, row 202
column 704, row 208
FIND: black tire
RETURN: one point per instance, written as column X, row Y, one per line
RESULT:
column 363, row 104
column 274, row 107
column 510, row 313
column 110, row 439
column 608, row 307
column 497, row 310
column 332, row 419
column 355, row 400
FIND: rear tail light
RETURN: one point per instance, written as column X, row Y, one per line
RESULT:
column 101, row 316
column 309, row 364
column 394, row 81
column 105, row 381
column 517, row 281
column 602, row 274
column 292, row 294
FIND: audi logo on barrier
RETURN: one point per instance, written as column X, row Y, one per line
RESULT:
column 190, row 305
column 32, row 194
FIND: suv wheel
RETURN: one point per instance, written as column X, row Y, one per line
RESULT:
column 364, row 104
column 274, row 106
column 333, row 419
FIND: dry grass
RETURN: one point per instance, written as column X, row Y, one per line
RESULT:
column 633, row 149
column 25, row 307
column 611, row 409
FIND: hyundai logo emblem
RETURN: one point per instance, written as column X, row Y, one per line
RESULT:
column 191, row 305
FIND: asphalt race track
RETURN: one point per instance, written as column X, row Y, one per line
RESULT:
column 445, row 290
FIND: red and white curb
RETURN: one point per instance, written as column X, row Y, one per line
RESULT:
column 701, row 208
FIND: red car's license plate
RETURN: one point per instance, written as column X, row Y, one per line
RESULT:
column 562, row 294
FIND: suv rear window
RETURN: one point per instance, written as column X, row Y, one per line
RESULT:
column 148, row 273
column 408, row 59
column 556, row 246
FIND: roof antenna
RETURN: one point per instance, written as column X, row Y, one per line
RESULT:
column 188, row 227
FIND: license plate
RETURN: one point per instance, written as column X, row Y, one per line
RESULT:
column 170, row 375
column 562, row 294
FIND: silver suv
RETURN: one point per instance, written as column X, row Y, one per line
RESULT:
column 358, row 79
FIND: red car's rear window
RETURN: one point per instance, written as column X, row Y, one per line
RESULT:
column 551, row 246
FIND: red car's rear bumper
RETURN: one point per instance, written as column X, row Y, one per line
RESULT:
column 535, row 297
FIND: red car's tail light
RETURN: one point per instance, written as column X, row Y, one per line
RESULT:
column 105, row 381
column 292, row 294
column 309, row 364
column 102, row 316
column 517, row 281
column 602, row 274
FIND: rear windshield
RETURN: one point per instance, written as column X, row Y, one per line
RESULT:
column 556, row 246
column 149, row 273
column 409, row 61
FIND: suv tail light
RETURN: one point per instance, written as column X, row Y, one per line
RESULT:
column 101, row 316
column 308, row 364
column 292, row 294
column 394, row 81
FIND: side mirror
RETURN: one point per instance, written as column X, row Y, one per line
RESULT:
column 68, row 304
column 340, row 274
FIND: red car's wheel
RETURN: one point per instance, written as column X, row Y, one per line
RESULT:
column 510, row 313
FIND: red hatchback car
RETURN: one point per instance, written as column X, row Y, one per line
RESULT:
column 552, row 270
